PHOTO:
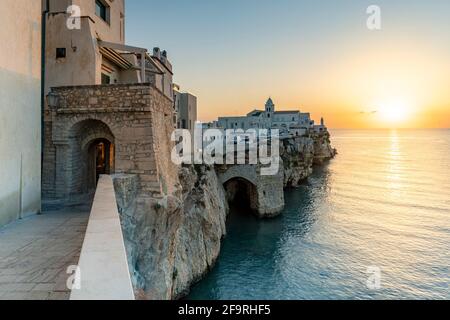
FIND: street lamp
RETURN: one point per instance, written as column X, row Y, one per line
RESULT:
column 53, row 100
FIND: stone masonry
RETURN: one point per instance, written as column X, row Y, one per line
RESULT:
column 136, row 119
column 266, row 193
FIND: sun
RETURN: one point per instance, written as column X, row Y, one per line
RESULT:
column 396, row 111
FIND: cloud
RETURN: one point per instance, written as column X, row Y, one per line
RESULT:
column 369, row 113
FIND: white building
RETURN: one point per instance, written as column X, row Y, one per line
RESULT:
column 20, row 110
column 186, row 110
column 95, row 52
column 293, row 123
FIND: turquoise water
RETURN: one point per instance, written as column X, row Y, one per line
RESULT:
column 384, row 202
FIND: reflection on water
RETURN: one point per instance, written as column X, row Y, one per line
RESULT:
column 384, row 202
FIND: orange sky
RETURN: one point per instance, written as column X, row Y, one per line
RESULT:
column 384, row 85
column 307, row 55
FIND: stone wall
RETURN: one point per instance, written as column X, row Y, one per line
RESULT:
column 265, row 191
column 20, row 109
column 136, row 119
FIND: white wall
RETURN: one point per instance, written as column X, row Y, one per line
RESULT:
column 20, row 110
column 83, row 62
column 188, row 110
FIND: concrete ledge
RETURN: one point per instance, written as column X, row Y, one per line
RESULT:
column 103, row 262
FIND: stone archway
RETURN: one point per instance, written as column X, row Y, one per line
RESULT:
column 100, row 160
column 242, row 193
column 89, row 152
column 264, row 193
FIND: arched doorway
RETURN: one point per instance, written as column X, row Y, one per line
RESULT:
column 241, row 194
column 100, row 160
column 92, row 153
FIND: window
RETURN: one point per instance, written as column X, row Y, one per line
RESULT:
column 183, row 126
column 60, row 53
column 102, row 10
column 106, row 79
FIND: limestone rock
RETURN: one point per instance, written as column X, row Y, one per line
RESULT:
column 322, row 148
column 172, row 242
column 297, row 154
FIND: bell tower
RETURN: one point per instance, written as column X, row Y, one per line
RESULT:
column 270, row 107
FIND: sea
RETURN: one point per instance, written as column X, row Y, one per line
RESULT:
column 373, row 223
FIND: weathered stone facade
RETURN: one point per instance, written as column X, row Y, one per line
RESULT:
column 135, row 120
column 265, row 193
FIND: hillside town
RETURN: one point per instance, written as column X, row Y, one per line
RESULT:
column 89, row 176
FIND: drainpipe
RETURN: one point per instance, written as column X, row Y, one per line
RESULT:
column 43, row 48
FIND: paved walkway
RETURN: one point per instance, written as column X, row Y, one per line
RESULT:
column 35, row 253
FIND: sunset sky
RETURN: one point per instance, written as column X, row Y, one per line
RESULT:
column 317, row 56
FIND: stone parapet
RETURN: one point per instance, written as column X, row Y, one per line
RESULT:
column 135, row 119
column 103, row 266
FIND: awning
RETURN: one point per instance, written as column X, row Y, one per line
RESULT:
column 116, row 58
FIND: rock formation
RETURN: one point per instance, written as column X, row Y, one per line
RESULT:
column 298, row 156
column 174, row 240
column 322, row 147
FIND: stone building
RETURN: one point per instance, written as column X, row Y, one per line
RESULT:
column 85, row 45
column 106, row 111
column 20, row 109
column 294, row 123
column 107, row 129
column 186, row 106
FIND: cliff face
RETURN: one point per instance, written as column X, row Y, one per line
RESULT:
column 199, row 237
column 301, row 153
column 322, row 147
column 172, row 242
column 298, row 156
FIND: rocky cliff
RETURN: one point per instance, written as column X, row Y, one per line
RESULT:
column 322, row 147
column 173, row 241
column 299, row 154
column 298, row 157
column 199, row 238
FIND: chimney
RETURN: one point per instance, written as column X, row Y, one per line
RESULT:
column 164, row 57
column 157, row 53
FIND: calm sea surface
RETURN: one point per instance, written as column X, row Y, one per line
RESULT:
column 384, row 203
